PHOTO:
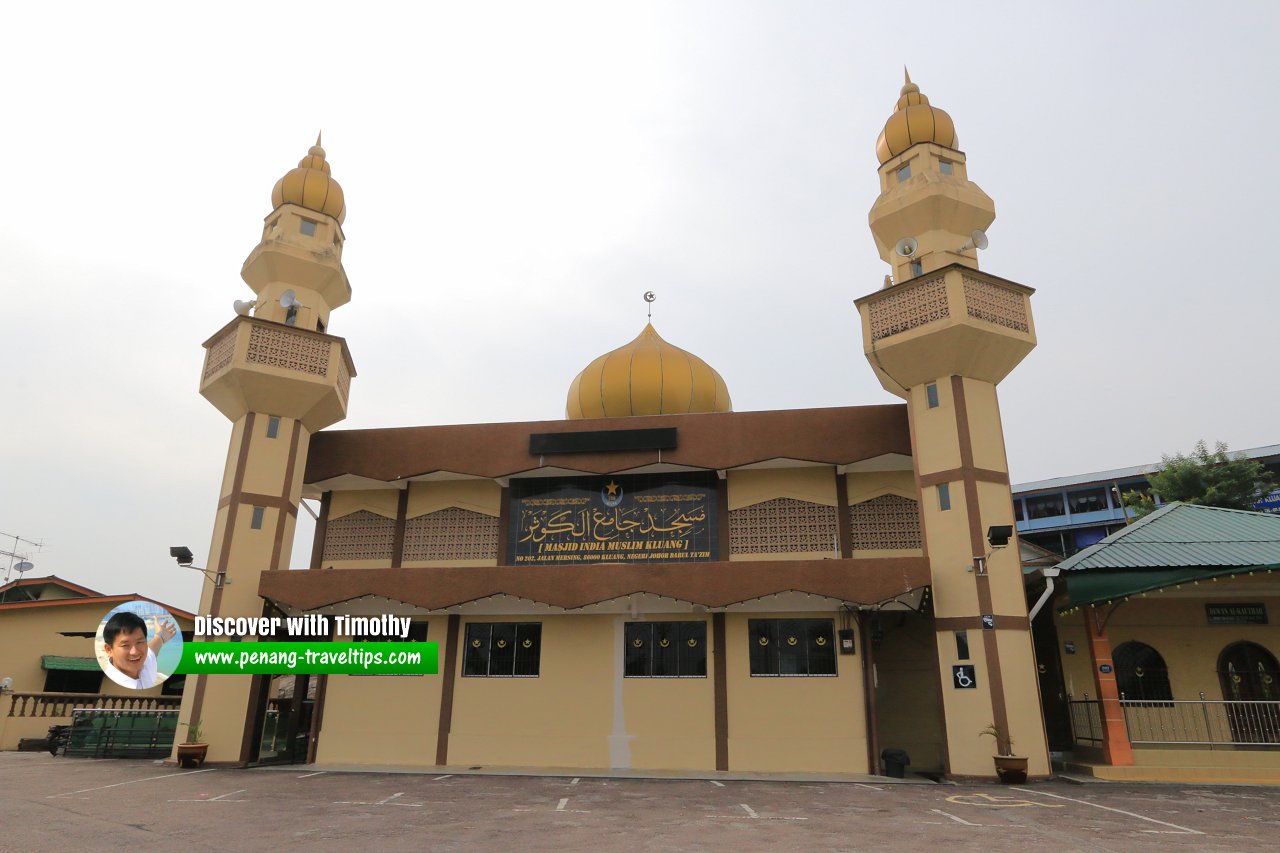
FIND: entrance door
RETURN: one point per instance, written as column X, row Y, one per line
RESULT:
column 1250, row 681
column 1053, row 692
column 286, row 725
column 908, row 696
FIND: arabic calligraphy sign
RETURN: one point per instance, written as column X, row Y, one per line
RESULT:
column 668, row 518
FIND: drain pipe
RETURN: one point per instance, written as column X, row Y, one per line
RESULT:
column 1049, row 575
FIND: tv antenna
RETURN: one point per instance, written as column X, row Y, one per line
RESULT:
column 18, row 561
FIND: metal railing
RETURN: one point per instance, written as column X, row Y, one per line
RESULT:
column 1202, row 722
column 1086, row 720
column 62, row 704
column 102, row 733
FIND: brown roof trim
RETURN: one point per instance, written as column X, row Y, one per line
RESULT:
column 711, row 441
column 712, row 584
column 53, row 579
column 96, row 599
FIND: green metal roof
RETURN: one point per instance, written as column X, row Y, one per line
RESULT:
column 1177, row 544
column 61, row 662
column 1187, row 536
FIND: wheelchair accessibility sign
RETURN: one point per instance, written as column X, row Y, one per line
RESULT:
column 964, row 677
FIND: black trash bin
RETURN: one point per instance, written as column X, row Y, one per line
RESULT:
column 895, row 762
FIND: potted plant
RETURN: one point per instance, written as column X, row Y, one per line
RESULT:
column 1012, row 769
column 191, row 752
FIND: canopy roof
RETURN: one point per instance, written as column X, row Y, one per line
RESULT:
column 64, row 662
column 1179, row 543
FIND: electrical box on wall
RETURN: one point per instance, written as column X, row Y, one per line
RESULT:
column 846, row 641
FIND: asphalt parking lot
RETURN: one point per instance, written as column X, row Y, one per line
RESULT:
column 75, row 804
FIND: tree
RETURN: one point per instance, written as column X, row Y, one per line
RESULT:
column 1209, row 479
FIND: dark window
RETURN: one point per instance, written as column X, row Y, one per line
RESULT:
column 904, row 172
column 666, row 649
column 962, row 645
column 307, row 227
column 792, row 646
column 1141, row 673
column 173, row 685
column 417, row 634
column 72, row 681
column 1018, row 513
column 1045, row 506
column 931, row 394
column 944, row 166
column 273, row 426
column 256, row 521
column 503, row 649
column 1087, row 500
column 944, row 496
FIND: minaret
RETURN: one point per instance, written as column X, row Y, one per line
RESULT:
column 278, row 377
column 942, row 335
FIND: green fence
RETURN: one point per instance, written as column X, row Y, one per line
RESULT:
column 101, row 733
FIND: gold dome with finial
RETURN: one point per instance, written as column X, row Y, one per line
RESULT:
column 311, row 186
column 646, row 377
column 914, row 121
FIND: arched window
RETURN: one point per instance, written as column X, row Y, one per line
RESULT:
column 1141, row 673
column 1250, row 679
column 1249, row 673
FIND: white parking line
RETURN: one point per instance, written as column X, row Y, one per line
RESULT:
column 746, row 808
column 575, row 781
column 564, row 801
column 130, row 782
column 717, row 784
column 388, row 801
column 958, row 819
column 870, row 787
column 1181, row 830
column 445, row 776
column 221, row 798
column 309, row 775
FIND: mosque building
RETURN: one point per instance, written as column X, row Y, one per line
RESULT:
column 656, row 581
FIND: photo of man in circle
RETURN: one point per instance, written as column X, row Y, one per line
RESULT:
column 131, row 645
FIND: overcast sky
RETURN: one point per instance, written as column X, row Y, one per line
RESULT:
column 517, row 175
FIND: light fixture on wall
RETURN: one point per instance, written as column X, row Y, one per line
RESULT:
column 185, row 558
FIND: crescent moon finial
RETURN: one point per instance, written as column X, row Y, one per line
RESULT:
column 649, row 296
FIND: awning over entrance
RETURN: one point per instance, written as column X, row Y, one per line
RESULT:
column 710, row 584
column 60, row 662
column 1177, row 544
column 1105, row 587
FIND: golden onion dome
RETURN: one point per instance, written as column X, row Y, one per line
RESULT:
column 311, row 186
column 646, row 377
column 913, row 122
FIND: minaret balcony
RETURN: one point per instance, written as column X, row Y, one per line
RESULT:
column 955, row 321
column 254, row 365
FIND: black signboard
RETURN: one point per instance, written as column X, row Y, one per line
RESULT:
column 1236, row 614
column 666, row 518
column 964, row 676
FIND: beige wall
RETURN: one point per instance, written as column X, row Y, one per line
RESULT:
column 561, row 718
column 479, row 496
column 812, row 485
column 1178, row 629
column 866, row 485
column 483, row 496
column 793, row 723
column 29, row 633
column 383, row 719
column 581, row 712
